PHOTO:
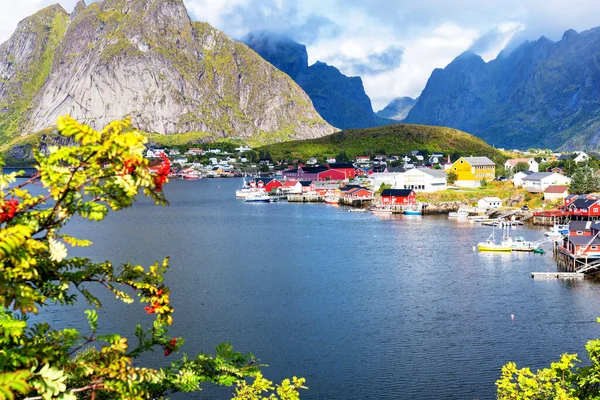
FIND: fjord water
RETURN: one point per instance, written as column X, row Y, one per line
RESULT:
column 362, row 306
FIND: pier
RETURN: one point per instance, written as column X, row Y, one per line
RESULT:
column 557, row 275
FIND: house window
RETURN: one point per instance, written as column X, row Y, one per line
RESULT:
column 580, row 232
column 595, row 209
column 594, row 247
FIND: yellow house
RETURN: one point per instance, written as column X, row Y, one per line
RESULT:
column 470, row 171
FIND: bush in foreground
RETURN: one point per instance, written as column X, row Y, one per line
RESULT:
column 101, row 171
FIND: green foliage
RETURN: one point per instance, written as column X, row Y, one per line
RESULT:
column 521, row 166
column 451, row 177
column 102, row 171
column 560, row 381
column 584, row 180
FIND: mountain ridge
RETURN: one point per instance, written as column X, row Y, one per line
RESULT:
column 340, row 99
column 542, row 94
column 147, row 60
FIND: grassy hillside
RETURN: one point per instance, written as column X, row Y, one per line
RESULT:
column 392, row 139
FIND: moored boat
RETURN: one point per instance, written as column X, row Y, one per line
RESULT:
column 520, row 244
column 381, row 210
column 412, row 212
column 332, row 200
column 258, row 197
column 458, row 214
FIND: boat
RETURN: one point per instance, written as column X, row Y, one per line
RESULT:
column 558, row 231
column 412, row 212
column 381, row 210
column 490, row 244
column 458, row 214
column 520, row 244
column 332, row 200
column 245, row 190
column 257, row 197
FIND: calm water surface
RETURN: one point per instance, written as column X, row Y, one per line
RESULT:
column 362, row 306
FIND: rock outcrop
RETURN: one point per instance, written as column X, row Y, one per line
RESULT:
column 147, row 60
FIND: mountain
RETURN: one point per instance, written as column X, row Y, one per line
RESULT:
column 542, row 94
column 398, row 108
column 340, row 99
column 145, row 59
column 397, row 139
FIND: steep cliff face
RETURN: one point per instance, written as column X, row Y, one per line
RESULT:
column 25, row 63
column 397, row 109
column 340, row 99
column 543, row 94
column 146, row 59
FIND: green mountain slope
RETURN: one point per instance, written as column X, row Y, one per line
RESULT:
column 392, row 139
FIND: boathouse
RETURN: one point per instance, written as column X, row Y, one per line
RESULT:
column 400, row 197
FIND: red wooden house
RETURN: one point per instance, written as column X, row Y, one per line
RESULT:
column 400, row 197
column 266, row 184
column 584, row 206
column 359, row 193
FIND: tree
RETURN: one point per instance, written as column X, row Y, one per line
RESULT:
column 560, row 381
column 101, row 171
column 451, row 177
column 521, row 166
column 584, row 180
column 342, row 157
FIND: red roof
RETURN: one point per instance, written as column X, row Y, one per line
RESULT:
column 289, row 183
column 556, row 189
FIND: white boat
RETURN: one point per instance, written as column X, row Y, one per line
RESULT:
column 458, row 214
column 520, row 244
column 332, row 200
column 258, row 197
column 245, row 190
column 381, row 210
column 558, row 231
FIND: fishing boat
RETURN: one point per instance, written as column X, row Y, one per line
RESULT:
column 257, row 197
column 332, row 200
column 245, row 190
column 490, row 244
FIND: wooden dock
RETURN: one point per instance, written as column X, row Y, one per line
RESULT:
column 557, row 275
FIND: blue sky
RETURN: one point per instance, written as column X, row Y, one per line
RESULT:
column 392, row 45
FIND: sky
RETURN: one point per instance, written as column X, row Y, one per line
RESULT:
column 393, row 45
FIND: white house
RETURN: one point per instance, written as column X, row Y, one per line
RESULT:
column 556, row 192
column 242, row 149
column 539, row 181
column 425, row 180
column 312, row 161
column 393, row 179
column 581, row 157
column 533, row 165
column 489, row 202
column 518, row 177
column 153, row 153
column 331, row 160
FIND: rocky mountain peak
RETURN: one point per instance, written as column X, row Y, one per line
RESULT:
column 147, row 60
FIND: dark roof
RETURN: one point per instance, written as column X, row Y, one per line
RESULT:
column 306, row 183
column 261, row 179
column 583, row 203
column 564, row 157
column 397, row 192
column 396, row 169
column 579, row 225
column 349, row 187
column 538, row 176
column 526, row 173
column 291, row 171
column 313, row 170
column 341, row 165
column 584, row 240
